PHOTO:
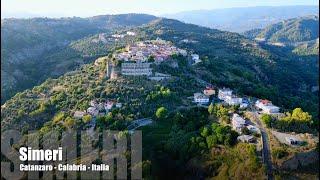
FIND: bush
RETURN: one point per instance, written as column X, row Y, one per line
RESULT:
column 267, row 120
column 279, row 153
column 161, row 113
column 58, row 117
column 86, row 118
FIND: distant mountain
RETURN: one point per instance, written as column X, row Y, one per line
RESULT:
column 34, row 49
column 302, row 33
column 243, row 19
column 289, row 31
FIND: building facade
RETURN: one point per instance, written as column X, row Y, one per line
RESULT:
column 136, row 69
column 200, row 98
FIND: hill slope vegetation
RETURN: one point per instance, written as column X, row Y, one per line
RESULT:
column 34, row 49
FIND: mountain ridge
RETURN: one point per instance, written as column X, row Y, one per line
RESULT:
column 243, row 18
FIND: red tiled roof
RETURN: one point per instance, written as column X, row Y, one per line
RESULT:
column 265, row 101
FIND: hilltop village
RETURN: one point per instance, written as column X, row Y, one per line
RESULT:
column 207, row 103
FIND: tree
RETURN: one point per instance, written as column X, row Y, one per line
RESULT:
column 69, row 122
column 58, row 117
column 222, row 111
column 267, row 120
column 225, row 119
column 211, row 140
column 205, row 132
column 151, row 59
column 161, row 113
column 211, row 109
column 86, row 118
column 298, row 114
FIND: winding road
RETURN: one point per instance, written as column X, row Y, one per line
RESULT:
column 265, row 147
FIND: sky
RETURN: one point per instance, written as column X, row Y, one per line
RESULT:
column 86, row 8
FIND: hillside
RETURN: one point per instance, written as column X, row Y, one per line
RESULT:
column 307, row 48
column 34, row 49
column 185, row 141
column 233, row 61
column 290, row 31
column 243, row 19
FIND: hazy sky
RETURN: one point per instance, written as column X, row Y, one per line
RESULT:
column 84, row 8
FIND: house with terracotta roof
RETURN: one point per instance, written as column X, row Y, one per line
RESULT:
column 209, row 91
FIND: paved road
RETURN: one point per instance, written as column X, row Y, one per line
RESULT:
column 265, row 148
column 138, row 123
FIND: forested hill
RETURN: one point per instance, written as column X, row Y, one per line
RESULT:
column 228, row 60
column 289, row 31
column 35, row 49
column 232, row 60
column 184, row 136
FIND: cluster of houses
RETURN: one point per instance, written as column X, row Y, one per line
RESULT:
column 238, row 123
column 137, row 58
column 187, row 41
column 225, row 94
column 266, row 106
column 158, row 49
column 204, row 98
column 98, row 109
column 128, row 33
column 106, row 38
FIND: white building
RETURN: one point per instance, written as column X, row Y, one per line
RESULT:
column 118, row 36
column 93, row 103
column 118, row 105
column 93, row 111
column 223, row 93
column 108, row 105
column 183, row 52
column 136, row 69
column 232, row 100
column 195, row 58
column 244, row 105
column 238, row 122
column 130, row 33
column 200, row 98
column 260, row 39
column 267, row 107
